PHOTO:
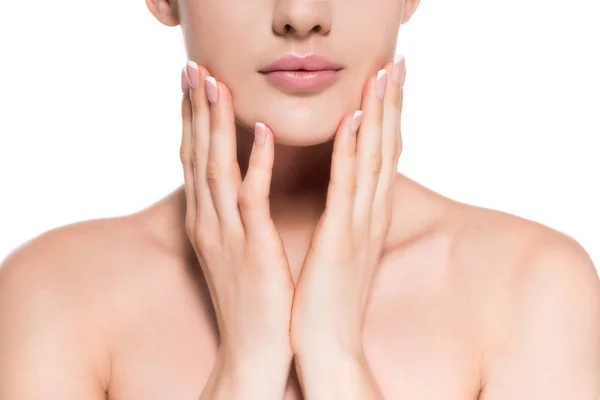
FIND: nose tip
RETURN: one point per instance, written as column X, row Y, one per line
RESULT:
column 299, row 18
column 290, row 30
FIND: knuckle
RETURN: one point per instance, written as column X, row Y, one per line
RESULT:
column 395, row 152
column 352, row 190
column 185, row 110
column 194, row 160
column 352, row 187
column 248, row 197
column 212, row 172
column 375, row 163
column 184, row 155
column 245, row 198
column 396, row 99
column 196, row 104
column 196, row 108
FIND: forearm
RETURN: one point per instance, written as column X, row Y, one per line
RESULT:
column 259, row 377
column 332, row 375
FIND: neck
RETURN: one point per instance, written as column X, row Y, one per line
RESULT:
column 300, row 176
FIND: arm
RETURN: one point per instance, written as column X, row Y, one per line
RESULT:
column 44, row 351
column 337, row 274
column 238, row 247
column 551, row 349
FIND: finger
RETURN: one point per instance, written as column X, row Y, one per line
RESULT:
column 256, row 187
column 201, row 143
column 222, row 170
column 368, row 153
column 391, row 140
column 341, row 192
column 185, row 153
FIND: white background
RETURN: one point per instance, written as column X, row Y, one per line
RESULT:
column 501, row 110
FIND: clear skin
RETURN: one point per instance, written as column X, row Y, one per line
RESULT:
column 291, row 297
column 243, row 258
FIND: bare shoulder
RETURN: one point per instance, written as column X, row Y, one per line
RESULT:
column 79, row 256
column 511, row 249
column 538, row 297
column 59, row 296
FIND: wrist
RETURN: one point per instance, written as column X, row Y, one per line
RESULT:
column 245, row 360
column 244, row 375
column 327, row 346
column 328, row 354
column 335, row 374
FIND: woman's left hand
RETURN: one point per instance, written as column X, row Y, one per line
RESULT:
column 333, row 287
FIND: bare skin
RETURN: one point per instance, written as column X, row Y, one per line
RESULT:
column 118, row 306
column 467, row 303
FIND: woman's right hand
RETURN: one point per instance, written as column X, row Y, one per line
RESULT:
column 237, row 244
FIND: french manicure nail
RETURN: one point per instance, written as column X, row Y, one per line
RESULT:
column 210, row 86
column 399, row 69
column 355, row 121
column 260, row 133
column 381, row 83
column 185, row 82
column 403, row 77
column 192, row 73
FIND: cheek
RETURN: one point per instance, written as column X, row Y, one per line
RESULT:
column 375, row 33
column 221, row 36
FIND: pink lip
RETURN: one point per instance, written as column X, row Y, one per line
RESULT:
column 310, row 62
column 309, row 72
column 303, row 80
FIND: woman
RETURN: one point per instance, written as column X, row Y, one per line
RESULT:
column 295, row 261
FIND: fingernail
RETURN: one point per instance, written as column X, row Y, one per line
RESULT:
column 399, row 68
column 192, row 73
column 185, row 82
column 355, row 121
column 260, row 133
column 381, row 83
column 403, row 77
column 210, row 85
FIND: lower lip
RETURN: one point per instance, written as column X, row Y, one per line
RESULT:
column 303, row 80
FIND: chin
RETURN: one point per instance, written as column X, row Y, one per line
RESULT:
column 299, row 122
column 303, row 127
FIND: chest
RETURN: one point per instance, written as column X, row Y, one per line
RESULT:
column 420, row 337
column 414, row 351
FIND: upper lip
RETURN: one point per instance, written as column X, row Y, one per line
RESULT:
column 310, row 62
